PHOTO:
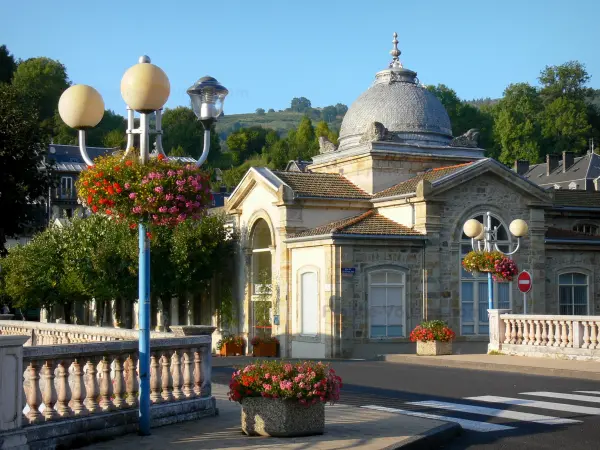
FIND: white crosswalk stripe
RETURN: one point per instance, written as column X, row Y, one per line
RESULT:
column 560, row 395
column 501, row 413
column 588, row 392
column 473, row 425
column 537, row 404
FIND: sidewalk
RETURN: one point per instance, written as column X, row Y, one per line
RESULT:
column 588, row 370
column 345, row 427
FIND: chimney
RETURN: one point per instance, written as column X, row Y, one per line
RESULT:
column 551, row 163
column 521, row 166
column 568, row 160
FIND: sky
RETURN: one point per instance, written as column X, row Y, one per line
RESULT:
column 268, row 52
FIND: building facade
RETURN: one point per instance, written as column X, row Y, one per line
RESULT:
column 363, row 244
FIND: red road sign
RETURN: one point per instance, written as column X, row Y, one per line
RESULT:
column 525, row 282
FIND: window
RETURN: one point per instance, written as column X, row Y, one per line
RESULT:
column 586, row 228
column 573, row 294
column 261, row 280
column 309, row 304
column 387, row 290
column 66, row 187
column 474, row 301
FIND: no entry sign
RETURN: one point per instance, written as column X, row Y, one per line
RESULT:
column 524, row 282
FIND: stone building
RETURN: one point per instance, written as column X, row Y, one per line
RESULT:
column 356, row 249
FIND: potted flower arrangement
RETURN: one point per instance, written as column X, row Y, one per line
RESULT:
column 264, row 346
column 433, row 338
column 160, row 192
column 231, row 345
column 279, row 398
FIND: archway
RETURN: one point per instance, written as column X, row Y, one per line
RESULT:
column 262, row 275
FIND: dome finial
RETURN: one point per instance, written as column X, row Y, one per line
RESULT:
column 395, row 53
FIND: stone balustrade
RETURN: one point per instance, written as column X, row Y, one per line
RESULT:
column 570, row 337
column 59, row 333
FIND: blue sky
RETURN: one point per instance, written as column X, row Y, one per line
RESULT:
column 267, row 52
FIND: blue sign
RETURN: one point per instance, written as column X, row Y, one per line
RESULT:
column 276, row 319
column 348, row 270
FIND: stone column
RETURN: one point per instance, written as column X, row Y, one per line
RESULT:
column 44, row 313
column 135, row 316
column 174, row 311
column 11, row 380
column 92, row 312
column 114, row 320
column 189, row 306
column 160, row 316
column 497, row 329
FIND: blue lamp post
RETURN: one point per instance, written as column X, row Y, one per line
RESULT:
column 145, row 89
column 485, row 238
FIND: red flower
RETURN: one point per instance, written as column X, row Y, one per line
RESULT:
column 89, row 199
column 94, row 208
column 149, row 235
column 160, row 157
column 128, row 163
column 133, row 226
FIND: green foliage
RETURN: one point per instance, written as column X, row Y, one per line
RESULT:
column 259, row 111
column 300, row 105
column 22, row 149
column 565, row 125
column 246, row 142
column 7, row 65
column 181, row 128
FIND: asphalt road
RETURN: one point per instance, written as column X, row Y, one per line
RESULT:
column 517, row 412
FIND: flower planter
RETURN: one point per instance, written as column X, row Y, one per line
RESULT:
column 267, row 349
column 230, row 349
column 281, row 418
column 434, row 348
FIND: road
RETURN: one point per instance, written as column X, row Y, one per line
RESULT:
column 497, row 410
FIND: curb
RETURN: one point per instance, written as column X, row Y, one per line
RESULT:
column 431, row 439
column 492, row 367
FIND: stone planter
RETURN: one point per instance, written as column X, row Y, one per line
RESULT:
column 281, row 418
column 434, row 348
column 266, row 349
column 230, row 349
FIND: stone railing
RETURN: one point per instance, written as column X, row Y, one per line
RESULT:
column 59, row 333
column 570, row 337
column 91, row 390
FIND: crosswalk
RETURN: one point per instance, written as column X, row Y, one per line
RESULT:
column 508, row 412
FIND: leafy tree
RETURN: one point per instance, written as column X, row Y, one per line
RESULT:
column 7, row 65
column 260, row 111
column 271, row 110
column 568, row 79
column 22, row 150
column 177, row 151
column 302, row 141
column 329, row 113
column 115, row 139
column 322, row 129
column 341, row 109
column 565, row 125
column 300, row 105
column 246, row 142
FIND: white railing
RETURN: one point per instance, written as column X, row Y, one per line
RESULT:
column 572, row 337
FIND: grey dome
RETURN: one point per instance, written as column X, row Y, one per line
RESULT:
column 410, row 112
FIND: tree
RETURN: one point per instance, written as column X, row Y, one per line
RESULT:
column 322, row 129
column 568, row 80
column 271, row 110
column 341, row 109
column 24, row 176
column 7, row 65
column 115, row 139
column 565, row 125
column 177, row 151
column 329, row 113
column 516, row 124
column 260, row 111
column 302, row 141
column 45, row 80
column 246, row 142
column 300, row 105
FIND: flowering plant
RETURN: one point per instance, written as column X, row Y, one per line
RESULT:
column 256, row 340
column 434, row 330
column 162, row 192
column 235, row 340
column 481, row 261
column 304, row 382
column 505, row 269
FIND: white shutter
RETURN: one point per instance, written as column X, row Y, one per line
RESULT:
column 310, row 303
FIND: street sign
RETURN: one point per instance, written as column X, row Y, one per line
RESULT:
column 348, row 270
column 525, row 282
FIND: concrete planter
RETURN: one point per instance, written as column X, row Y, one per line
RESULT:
column 434, row 348
column 265, row 349
column 281, row 418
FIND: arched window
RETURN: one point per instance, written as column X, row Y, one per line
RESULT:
column 474, row 301
column 586, row 228
column 261, row 280
column 573, row 294
column 387, row 300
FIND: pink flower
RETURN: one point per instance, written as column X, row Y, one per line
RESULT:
column 158, row 189
column 275, row 378
column 288, row 367
column 181, row 189
column 267, row 375
column 180, row 172
column 169, row 196
column 181, row 217
column 173, row 209
column 301, row 384
column 299, row 395
column 267, row 387
column 163, row 209
column 127, row 185
column 171, row 173
column 136, row 210
column 132, row 195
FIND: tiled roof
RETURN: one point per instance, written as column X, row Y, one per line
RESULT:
column 559, row 233
column 369, row 223
column 584, row 168
column 577, row 198
column 322, row 185
column 410, row 186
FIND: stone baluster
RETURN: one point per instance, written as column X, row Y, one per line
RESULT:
column 531, row 326
column 49, row 395
column 537, row 337
column 155, row 384
column 92, row 388
column 63, row 390
column 77, row 391
column 586, row 334
column 119, row 384
column 544, row 336
column 198, row 370
column 513, row 332
column 507, row 330
column 105, row 386
column 557, row 338
column 594, row 335
column 131, row 381
column 176, row 372
column 519, row 331
column 33, row 393
column 206, row 356
column 563, row 334
column 570, row 325
column 525, row 327
column 188, row 374
column 166, row 377
column 550, row 334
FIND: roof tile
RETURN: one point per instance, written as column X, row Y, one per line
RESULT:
column 322, row 185
column 577, row 198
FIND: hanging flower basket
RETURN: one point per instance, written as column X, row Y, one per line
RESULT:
column 160, row 192
column 481, row 261
column 505, row 269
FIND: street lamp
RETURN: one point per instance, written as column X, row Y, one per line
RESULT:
column 145, row 89
column 485, row 237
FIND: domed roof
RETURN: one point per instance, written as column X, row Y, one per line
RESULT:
column 410, row 112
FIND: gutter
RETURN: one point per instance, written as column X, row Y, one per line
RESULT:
column 343, row 199
column 572, row 241
column 408, row 237
column 577, row 208
column 394, row 197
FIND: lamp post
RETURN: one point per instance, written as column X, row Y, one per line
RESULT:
column 485, row 237
column 145, row 89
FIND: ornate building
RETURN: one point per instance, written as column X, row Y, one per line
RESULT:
column 360, row 246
